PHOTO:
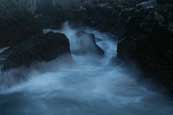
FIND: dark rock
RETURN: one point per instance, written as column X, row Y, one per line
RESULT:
column 148, row 42
column 165, row 2
column 17, row 27
column 38, row 48
column 100, row 16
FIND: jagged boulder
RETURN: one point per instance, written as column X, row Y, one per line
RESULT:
column 36, row 49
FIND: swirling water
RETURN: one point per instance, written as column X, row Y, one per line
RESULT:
column 84, row 88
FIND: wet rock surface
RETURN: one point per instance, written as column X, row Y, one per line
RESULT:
column 148, row 42
column 17, row 27
column 38, row 48
column 145, row 33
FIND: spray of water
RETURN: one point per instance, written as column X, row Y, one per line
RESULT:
column 84, row 88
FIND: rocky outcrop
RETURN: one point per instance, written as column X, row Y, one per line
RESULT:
column 165, row 2
column 36, row 49
column 17, row 27
column 148, row 42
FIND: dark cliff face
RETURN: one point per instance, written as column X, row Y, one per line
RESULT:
column 15, row 28
column 40, row 48
column 21, row 31
column 148, row 42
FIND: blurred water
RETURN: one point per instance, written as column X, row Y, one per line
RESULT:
column 83, row 88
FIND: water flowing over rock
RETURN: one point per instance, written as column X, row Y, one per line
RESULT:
column 81, row 88
column 87, row 44
column 68, row 70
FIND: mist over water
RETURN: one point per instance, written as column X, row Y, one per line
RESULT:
column 91, row 86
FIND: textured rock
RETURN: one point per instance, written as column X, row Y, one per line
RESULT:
column 36, row 49
column 148, row 42
column 17, row 27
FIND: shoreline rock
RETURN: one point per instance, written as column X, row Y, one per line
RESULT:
column 148, row 43
column 37, row 49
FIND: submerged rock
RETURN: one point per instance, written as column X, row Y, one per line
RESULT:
column 86, row 45
column 38, row 48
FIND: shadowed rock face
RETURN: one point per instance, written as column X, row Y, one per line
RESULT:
column 17, row 27
column 148, row 42
column 36, row 49
column 165, row 1
column 152, row 52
